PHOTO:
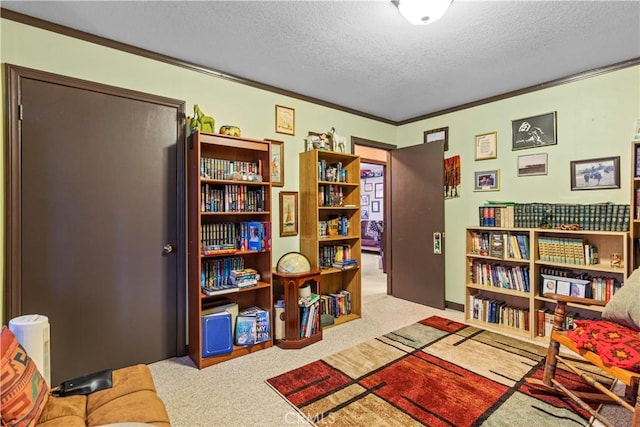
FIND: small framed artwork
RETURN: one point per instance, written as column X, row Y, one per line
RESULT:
column 487, row 146
column 595, row 174
column 436, row 135
column 364, row 200
column 368, row 186
column 277, row 163
column 375, row 206
column 364, row 213
column 285, row 120
column 379, row 194
column 532, row 132
column 532, row 164
column 288, row 213
column 487, row 180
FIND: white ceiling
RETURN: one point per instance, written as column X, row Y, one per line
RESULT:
column 363, row 55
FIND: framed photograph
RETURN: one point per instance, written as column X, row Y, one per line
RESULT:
column 364, row 200
column 375, row 206
column 379, row 194
column 364, row 213
column 277, row 163
column 532, row 164
column 288, row 213
column 532, row 132
column 285, row 120
column 487, row 146
column 435, row 135
column 368, row 186
column 487, row 180
column 595, row 174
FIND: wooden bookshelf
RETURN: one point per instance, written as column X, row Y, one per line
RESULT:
column 634, row 221
column 243, row 153
column 524, row 298
column 315, row 209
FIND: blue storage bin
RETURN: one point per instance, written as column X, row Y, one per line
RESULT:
column 216, row 334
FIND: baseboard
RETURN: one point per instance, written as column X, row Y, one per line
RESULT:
column 454, row 306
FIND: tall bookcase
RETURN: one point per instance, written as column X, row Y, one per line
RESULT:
column 634, row 221
column 512, row 283
column 224, row 198
column 330, row 223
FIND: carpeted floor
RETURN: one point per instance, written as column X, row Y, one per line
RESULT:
column 436, row 372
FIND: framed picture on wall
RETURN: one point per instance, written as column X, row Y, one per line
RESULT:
column 368, row 186
column 379, row 190
column 595, row 174
column 436, row 135
column 364, row 200
column 487, row 146
column 375, row 206
column 535, row 131
column 288, row 213
column 277, row 163
column 532, row 164
column 487, row 180
column 285, row 120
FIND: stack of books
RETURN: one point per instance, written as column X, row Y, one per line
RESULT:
column 244, row 278
column 345, row 264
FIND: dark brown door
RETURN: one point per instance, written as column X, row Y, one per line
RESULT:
column 100, row 173
column 417, row 212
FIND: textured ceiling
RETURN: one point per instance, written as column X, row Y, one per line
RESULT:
column 363, row 55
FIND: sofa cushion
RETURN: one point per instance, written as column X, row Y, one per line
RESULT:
column 24, row 392
column 69, row 411
column 624, row 306
column 132, row 398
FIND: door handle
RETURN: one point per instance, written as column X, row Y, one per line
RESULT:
column 168, row 248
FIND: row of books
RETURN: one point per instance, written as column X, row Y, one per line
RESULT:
column 222, row 169
column 252, row 326
column 500, row 245
column 226, row 274
column 233, row 236
column 545, row 323
column 333, row 172
column 494, row 311
column 336, row 304
column 500, row 276
column 599, row 288
column 331, row 254
column 596, row 216
column 330, row 195
column 309, row 315
column 334, row 227
column 231, row 198
column 567, row 250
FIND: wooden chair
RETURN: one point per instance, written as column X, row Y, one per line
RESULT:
column 549, row 383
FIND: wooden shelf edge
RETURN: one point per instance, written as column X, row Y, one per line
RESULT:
column 498, row 290
column 238, row 351
column 301, row 343
column 494, row 327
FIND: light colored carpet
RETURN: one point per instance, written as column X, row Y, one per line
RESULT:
column 234, row 393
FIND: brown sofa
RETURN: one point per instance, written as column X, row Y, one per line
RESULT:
column 132, row 399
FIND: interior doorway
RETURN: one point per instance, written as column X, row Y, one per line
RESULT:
column 374, row 174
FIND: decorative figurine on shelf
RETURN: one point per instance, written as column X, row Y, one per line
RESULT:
column 201, row 122
column 230, row 130
column 339, row 141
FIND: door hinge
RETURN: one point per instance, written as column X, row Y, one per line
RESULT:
column 20, row 111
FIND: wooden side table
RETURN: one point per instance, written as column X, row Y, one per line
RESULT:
column 292, row 282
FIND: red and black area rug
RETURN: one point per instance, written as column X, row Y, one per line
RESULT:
column 436, row 372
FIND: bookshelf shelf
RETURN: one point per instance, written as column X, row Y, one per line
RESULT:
column 316, row 209
column 214, row 155
column 508, row 301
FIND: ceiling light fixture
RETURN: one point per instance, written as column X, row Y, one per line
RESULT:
column 421, row 12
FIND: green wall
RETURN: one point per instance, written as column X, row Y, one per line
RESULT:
column 596, row 118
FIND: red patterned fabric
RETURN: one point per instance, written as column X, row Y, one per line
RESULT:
column 616, row 345
column 23, row 391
